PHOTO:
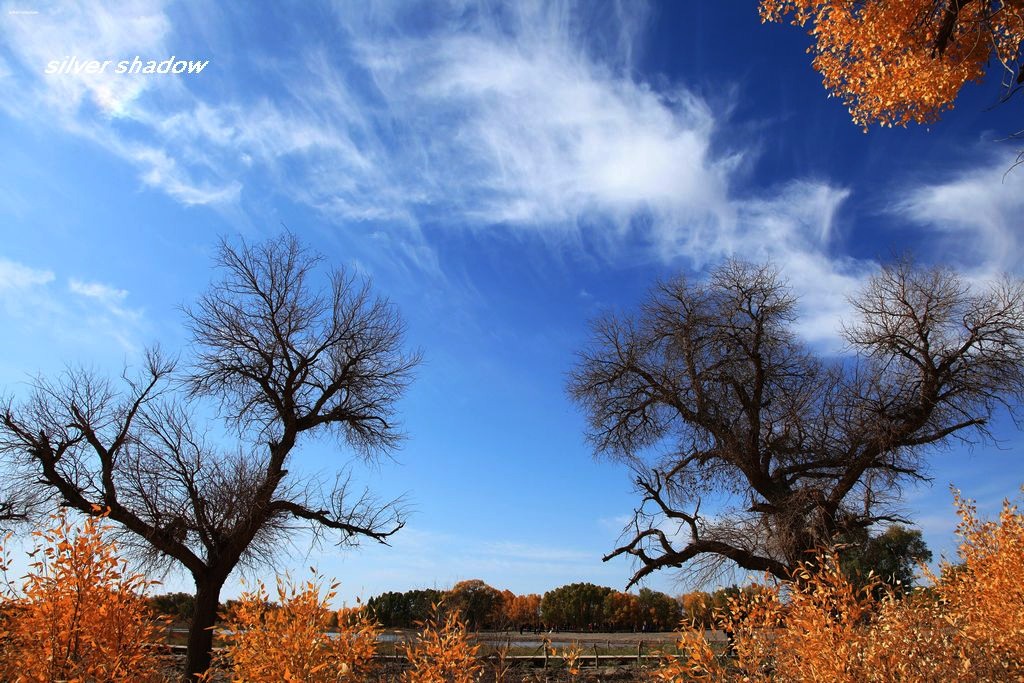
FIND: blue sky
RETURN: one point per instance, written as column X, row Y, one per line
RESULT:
column 503, row 172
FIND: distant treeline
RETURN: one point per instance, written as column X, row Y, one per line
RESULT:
column 573, row 607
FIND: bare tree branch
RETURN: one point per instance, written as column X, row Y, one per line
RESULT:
column 285, row 360
column 712, row 377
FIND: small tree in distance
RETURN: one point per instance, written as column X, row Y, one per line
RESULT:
column 286, row 360
column 889, row 558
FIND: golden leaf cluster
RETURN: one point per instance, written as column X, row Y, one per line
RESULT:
column 289, row 640
column 79, row 615
column 571, row 658
column 444, row 652
column 888, row 61
column 968, row 626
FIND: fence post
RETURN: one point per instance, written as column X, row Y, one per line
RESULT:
column 639, row 652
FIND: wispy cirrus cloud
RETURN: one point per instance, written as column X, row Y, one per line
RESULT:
column 973, row 215
column 471, row 118
column 17, row 276
column 110, row 299
column 58, row 30
column 105, row 107
column 33, row 306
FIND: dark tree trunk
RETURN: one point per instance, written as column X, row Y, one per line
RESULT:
column 200, row 632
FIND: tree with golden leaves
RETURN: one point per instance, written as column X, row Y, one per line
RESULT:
column 445, row 652
column 893, row 63
column 523, row 610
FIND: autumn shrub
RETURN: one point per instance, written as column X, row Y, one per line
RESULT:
column 78, row 614
column 983, row 596
column 289, row 640
column 444, row 652
column 968, row 626
column 570, row 658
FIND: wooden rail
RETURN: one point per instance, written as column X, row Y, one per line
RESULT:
column 537, row 661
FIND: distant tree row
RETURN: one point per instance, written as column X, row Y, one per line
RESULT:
column 479, row 605
column 573, row 607
column 584, row 606
column 890, row 557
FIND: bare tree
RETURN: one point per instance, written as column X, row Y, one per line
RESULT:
column 17, row 505
column 707, row 392
column 285, row 360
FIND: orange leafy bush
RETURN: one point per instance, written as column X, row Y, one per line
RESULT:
column 571, row 658
column 983, row 596
column 444, row 652
column 817, row 627
column 78, row 615
column 289, row 641
column 896, row 62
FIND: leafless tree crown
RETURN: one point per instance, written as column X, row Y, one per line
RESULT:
column 712, row 377
column 284, row 359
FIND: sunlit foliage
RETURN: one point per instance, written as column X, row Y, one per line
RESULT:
column 444, row 653
column 479, row 605
column 821, row 627
column 523, row 610
column 289, row 640
column 79, row 613
column 896, row 62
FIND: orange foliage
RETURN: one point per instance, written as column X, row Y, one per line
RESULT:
column 79, row 615
column 289, row 641
column 889, row 62
column 818, row 627
column 622, row 611
column 696, row 608
column 984, row 595
column 523, row 610
column 444, row 653
column 571, row 658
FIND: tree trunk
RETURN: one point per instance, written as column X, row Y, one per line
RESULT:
column 200, row 631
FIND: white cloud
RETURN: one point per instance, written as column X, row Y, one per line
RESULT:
column 95, row 290
column 106, row 312
column 793, row 228
column 28, row 305
column 544, row 137
column 85, row 30
column 95, row 106
column 975, row 214
column 16, row 276
column 526, row 118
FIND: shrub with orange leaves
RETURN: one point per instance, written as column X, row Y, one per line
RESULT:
column 570, row 658
column 289, row 641
column 79, row 614
column 983, row 597
column 818, row 627
column 444, row 652
column 896, row 62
